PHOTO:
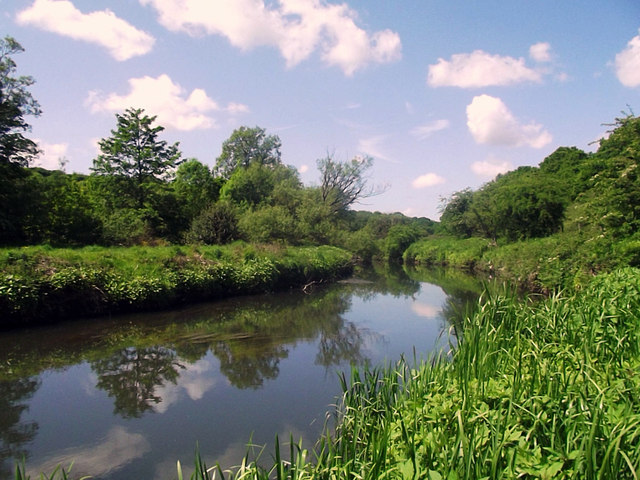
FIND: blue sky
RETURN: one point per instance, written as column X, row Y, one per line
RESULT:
column 443, row 94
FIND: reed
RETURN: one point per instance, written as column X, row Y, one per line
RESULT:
column 547, row 389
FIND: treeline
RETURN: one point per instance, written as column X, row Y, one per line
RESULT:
column 141, row 190
column 250, row 194
column 557, row 224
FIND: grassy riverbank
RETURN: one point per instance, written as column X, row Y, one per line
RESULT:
column 567, row 260
column 42, row 284
column 534, row 390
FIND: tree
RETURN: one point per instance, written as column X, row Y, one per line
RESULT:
column 246, row 146
column 134, row 156
column 15, row 103
column 344, row 183
column 196, row 187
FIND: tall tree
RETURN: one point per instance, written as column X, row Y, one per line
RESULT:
column 134, row 154
column 246, row 146
column 344, row 183
column 16, row 102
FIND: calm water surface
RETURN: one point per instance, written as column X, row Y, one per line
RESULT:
column 126, row 397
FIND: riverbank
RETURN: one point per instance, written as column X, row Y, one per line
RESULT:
column 567, row 260
column 547, row 390
column 42, row 284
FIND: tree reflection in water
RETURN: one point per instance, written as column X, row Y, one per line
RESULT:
column 131, row 376
column 15, row 434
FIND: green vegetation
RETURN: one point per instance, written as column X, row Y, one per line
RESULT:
column 44, row 284
column 546, row 389
column 553, row 226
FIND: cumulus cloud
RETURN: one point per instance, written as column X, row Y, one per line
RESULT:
column 51, row 154
column 427, row 180
column 174, row 106
column 121, row 39
column 424, row 131
column 480, row 69
column 490, row 121
column 540, row 52
column 491, row 167
column 628, row 63
column 297, row 28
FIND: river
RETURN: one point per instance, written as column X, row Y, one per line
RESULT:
column 128, row 396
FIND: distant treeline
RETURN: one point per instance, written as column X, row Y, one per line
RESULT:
column 558, row 224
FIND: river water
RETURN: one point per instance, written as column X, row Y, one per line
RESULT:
column 128, row 396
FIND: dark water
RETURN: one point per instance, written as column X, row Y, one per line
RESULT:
column 127, row 397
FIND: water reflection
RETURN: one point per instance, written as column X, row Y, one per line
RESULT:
column 215, row 356
column 131, row 375
column 118, row 448
column 15, row 434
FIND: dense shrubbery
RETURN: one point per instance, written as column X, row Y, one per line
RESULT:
column 552, row 226
column 43, row 284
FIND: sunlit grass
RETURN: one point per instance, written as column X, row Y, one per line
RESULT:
column 545, row 389
column 42, row 284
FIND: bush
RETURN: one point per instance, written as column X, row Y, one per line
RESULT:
column 217, row 225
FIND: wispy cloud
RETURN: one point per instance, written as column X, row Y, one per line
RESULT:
column 424, row 131
column 174, row 106
column 490, row 121
column 121, row 39
column 297, row 28
column 373, row 146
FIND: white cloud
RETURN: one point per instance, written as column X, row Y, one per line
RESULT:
column 480, row 69
column 174, row 106
column 491, row 167
column 540, row 52
column 104, row 28
column 51, row 154
column 628, row 63
column 490, row 121
column 427, row 180
column 297, row 28
column 425, row 310
column 424, row 131
column 373, row 147
column 118, row 448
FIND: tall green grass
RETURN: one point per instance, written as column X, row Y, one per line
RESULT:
column 547, row 389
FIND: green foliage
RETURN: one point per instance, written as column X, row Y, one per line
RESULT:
column 216, row 225
column 43, row 284
column 447, row 251
column 398, row 240
column 195, row 187
column 344, row 183
column 247, row 146
column 134, row 155
column 269, row 224
column 16, row 102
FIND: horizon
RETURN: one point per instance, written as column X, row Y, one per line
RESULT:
column 442, row 95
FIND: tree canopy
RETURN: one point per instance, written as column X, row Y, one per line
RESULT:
column 134, row 154
column 16, row 102
column 246, row 146
column 344, row 183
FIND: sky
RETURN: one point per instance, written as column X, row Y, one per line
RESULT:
column 442, row 94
